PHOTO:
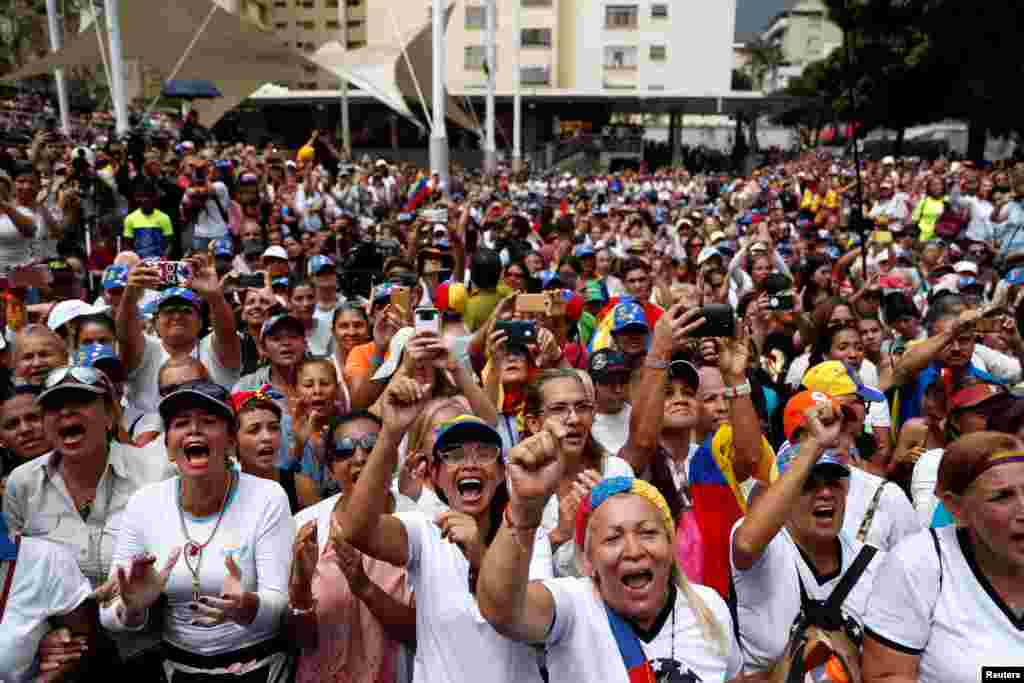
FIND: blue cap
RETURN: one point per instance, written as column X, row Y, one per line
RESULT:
column 462, row 429
column 223, row 247
column 406, row 217
column 181, row 294
column 382, row 293
column 829, row 460
column 281, row 282
column 584, row 250
column 629, row 314
column 281, row 319
column 115, row 277
column 1015, row 276
column 101, row 357
column 320, row 263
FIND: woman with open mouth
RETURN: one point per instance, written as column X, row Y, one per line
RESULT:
column 631, row 615
column 214, row 544
column 259, row 439
column 313, row 407
column 442, row 556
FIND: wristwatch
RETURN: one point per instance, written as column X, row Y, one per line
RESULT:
column 737, row 391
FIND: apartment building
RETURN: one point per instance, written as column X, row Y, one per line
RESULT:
column 805, row 34
column 596, row 46
column 307, row 24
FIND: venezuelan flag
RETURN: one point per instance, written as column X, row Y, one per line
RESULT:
column 638, row 668
column 419, row 193
column 718, row 502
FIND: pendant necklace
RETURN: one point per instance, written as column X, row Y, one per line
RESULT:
column 193, row 551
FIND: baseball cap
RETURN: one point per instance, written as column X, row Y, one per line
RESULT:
column 222, row 247
column 201, row 392
column 395, row 349
column 607, row 363
column 66, row 311
column 74, row 379
column 320, row 263
column 102, row 357
column 628, row 314
column 888, row 161
column 793, row 416
column 706, row 254
column 966, row 268
column 115, row 277
column 178, row 294
column 276, row 252
column 836, row 378
column 462, row 429
column 684, row 370
column 276, row 321
column 974, row 395
column 584, row 250
column 828, row 461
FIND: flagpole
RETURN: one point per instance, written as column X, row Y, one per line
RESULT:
column 346, row 126
column 491, row 60
column 439, row 133
column 117, row 66
column 56, row 42
column 517, row 98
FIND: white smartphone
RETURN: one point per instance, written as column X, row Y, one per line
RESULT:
column 428, row 319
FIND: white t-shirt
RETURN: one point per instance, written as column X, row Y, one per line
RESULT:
column 143, row 387
column 564, row 556
column 454, row 643
column 15, row 250
column 922, row 485
column 611, row 431
column 257, row 530
column 581, row 647
column 47, row 583
column 210, row 221
column 894, row 518
column 768, row 594
column 956, row 629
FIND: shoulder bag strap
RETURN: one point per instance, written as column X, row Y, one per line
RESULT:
column 938, row 551
column 869, row 516
column 8, row 580
column 851, row 577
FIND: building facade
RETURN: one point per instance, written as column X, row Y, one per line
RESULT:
column 305, row 25
column 805, row 34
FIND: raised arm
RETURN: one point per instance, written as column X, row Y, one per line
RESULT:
column 516, row 607
column 226, row 343
column 771, row 509
column 919, row 356
column 733, row 359
column 364, row 520
column 130, row 338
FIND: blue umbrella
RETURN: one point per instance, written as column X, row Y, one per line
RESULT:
column 191, row 90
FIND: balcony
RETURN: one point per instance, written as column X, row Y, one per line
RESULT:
column 530, row 76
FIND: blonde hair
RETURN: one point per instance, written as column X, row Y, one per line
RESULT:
column 713, row 631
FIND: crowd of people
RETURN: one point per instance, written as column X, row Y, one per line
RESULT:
column 272, row 415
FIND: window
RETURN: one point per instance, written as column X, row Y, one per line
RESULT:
column 307, row 85
column 281, row 25
column 620, row 16
column 655, row 87
column 658, row 53
column 354, row 23
column 659, row 11
column 356, row 44
column 476, row 17
column 280, row 4
column 536, row 3
column 619, row 57
column 307, row 4
column 307, row 25
column 536, row 37
column 474, row 59
column 332, row 4
column 353, row 3
column 333, row 25
column 535, row 75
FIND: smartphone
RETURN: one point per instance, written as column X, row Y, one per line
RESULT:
column 781, row 302
column 718, row 322
column 251, row 281
column 172, row 273
column 428, row 319
column 533, row 303
column 400, row 298
column 521, row 332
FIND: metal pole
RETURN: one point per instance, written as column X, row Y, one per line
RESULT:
column 491, row 55
column 56, row 42
column 439, row 133
column 346, row 125
column 117, row 66
column 517, row 98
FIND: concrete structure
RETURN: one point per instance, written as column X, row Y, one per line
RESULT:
column 598, row 46
column 306, row 25
column 805, row 34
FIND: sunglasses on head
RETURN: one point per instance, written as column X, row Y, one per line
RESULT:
column 89, row 376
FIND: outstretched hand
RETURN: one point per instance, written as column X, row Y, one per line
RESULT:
column 534, row 472
column 234, row 603
column 141, row 586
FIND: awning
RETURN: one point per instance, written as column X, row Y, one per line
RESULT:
column 381, row 70
column 232, row 52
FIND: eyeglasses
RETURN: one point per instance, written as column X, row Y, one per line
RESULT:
column 478, row 453
column 200, row 386
column 562, row 411
column 88, row 376
column 345, row 447
column 179, row 309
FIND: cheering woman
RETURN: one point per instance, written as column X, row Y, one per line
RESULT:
column 223, row 539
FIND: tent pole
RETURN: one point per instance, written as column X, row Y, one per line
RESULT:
column 491, row 54
column 181, row 60
column 517, row 97
column 346, row 124
column 103, row 49
column 412, row 73
column 56, row 42
column 439, row 132
column 117, row 66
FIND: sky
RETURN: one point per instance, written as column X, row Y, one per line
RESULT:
column 753, row 15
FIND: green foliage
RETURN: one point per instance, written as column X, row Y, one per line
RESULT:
column 741, row 81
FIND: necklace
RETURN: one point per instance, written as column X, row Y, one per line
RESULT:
column 193, row 550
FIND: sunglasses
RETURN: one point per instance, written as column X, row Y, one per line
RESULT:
column 89, row 376
column 346, row 447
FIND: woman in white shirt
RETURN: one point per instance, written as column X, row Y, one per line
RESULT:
column 632, row 615
column 442, row 556
column 224, row 540
column 947, row 601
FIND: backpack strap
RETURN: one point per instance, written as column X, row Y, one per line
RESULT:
column 869, row 516
column 8, row 580
column 938, row 551
column 851, row 577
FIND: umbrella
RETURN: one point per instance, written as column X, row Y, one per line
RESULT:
column 191, row 90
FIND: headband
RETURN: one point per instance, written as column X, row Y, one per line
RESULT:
column 613, row 486
column 996, row 459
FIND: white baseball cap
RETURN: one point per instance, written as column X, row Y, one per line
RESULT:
column 276, row 252
column 66, row 311
column 963, row 267
column 888, row 161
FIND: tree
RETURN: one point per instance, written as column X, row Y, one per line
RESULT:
column 765, row 59
column 741, row 81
